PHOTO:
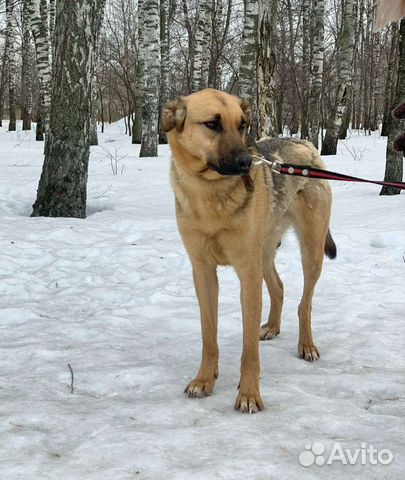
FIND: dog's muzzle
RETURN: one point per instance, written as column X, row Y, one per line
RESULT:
column 239, row 167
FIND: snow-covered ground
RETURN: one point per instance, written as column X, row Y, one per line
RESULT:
column 113, row 297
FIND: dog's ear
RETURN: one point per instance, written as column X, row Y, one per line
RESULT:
column 174, row 115
column 247, row 111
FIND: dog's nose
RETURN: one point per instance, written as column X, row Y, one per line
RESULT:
column 244, row 161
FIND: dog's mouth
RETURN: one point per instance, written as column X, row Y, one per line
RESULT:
column 228, row 170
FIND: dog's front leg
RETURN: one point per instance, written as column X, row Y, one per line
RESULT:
column 251, row 278
column 206, row 287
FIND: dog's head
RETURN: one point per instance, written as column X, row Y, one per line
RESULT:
column 207, row 133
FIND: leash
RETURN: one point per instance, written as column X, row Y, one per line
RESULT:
column 312, row 172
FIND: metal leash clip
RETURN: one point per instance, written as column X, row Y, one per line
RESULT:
column 275, row 166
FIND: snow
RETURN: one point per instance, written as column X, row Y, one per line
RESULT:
column 113, row 297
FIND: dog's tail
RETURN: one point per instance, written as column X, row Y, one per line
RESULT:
column 330, row 246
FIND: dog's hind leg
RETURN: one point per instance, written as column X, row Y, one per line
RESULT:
column 312, row 212
column 276, row 291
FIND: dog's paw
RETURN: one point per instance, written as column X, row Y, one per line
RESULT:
column 267, row 333
column 308, row 352
column 249, row 402
column 198, row 388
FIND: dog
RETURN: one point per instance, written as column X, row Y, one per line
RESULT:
column 232, row 212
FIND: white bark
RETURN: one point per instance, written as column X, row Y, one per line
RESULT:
column 39, row 28
column 151, row 54
column 314, row 115
column 26, row 68
column 248, row 60
column 11, row 58
column 199, row 44
column 329, row 146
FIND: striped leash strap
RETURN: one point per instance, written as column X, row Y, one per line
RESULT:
column 312, row 172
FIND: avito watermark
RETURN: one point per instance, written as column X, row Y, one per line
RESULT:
column 316, row 454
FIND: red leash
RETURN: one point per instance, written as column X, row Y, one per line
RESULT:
column 311, row 172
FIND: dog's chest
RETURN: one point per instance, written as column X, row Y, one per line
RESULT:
column 213, row 214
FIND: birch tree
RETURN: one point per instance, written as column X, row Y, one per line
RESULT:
column 63, row 184
column 248, row 59
column 39, row 26
column 165, row 59
column 10, row 54
column 394, row 159
column 267, row 95
column 329, row 144
column 314, row 113
column 206, row 55
column 199, row 44
column 3, row 85
column 26, row 68
column 306, row 65
column 221, row 22
column 151, row 84
column 93, row 138
column 140, row 68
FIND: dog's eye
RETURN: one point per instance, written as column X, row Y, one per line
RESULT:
column 213, row 125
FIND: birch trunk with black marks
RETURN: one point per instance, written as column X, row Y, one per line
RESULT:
column 139, row 80
column 198, row 45
column 3, row 84
column 394, row 159
column 93, row 137
column 26, row 69
column 390, row 79
column 295, row 106
column 266, row 82
column 248, row 59
column 165, row 60
column 375, row 82
column 247, row 70
column 329, row 144
column 11, row 54
column 207, row 42
column 39, row 27
column 221, row 23
column 51, row 25
column 151, row 52
column 314, row 111
column 63, row 185
column 306, row 65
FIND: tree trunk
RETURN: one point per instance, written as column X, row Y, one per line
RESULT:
column 51, row 25
column 3, row 84
column 267, row 95
column 63, row 184
column 199, row 44
column 165, row 60
column 11, row 53
column 248, row 59
column 139, row 80
column 394, row 160
column 390, row 79
column 150, row 107
column 314, row 113
column 26, row 69
column 295, row 107
column 93, row 137
column 247, row 71
column 329, row 144
column 375, row 81
column 39, row 27
column 306, row 65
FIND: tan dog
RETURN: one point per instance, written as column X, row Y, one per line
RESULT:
column 223, row 223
